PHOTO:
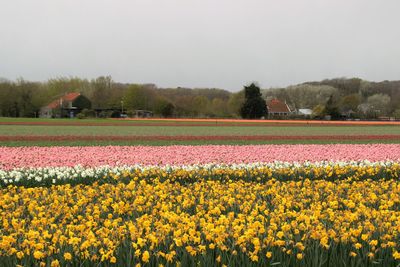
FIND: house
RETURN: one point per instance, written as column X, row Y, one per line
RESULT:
column 277, row 108
column 67, row 106
column 306, row 112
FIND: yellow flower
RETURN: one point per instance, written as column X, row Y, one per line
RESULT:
column 54, row 263
column 299, row 256
column 280, row 234
column 218, row 259
column 373, row 242
column 300, row 246
column 145, row 256
column 352, row 254
column 191, row 250
column 269, row 254
column 137, row 253
column 178, row 242
column 20, row 254
column 254, row 257
column 38, row 255
column 113, row 259
column 202, row 248
column 371, row 255
column 67, row 256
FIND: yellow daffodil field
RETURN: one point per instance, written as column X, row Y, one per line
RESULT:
column 326, row 213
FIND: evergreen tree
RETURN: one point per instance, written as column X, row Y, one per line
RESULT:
column 254, row 106
column 331, row 109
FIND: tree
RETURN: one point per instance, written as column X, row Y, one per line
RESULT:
column 254, row 105
column 139, row 97
column 200, row 105
column 396, row 114
column 331, row 109
column 303, row 95
column 235, row 103
column 168, row 110
column 219, row 107
column 164, row 108
column 318, row 111
column 350, row 102
column 379, row 103
column 101, row 87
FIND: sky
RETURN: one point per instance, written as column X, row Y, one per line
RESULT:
column 200, row 43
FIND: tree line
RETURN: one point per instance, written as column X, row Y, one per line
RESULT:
column 339, row 97
column 23, row 98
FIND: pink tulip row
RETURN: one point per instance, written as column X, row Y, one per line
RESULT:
column 17, row 157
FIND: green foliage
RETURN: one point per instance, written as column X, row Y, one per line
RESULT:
column 20, row 99
column 139, row 97
column 164, row 108
column 379, row 103
column 168, row 110
column 88, row 113
column 350, row 102
column 197, row 102
column 331, row 109
column 235, row 103
column 368, row 99
column 303, row 95
column 254, row 105
column 80, row 116
column 396, row 114
column 318, row 111
column 82, row 102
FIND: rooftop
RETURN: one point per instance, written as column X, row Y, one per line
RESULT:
column 65, row 98
column 277, row 106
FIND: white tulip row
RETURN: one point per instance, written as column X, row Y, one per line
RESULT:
column 62, row 174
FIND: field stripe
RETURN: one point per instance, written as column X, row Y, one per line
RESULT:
column 284, row 122
column 200, row 122
column 193, row 138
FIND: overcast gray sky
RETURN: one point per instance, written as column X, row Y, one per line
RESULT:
column 200, row 43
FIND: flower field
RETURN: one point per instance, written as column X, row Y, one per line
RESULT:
column 265, row 205
column 19, row 157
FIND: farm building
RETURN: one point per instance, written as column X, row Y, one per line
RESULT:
column 67, row 106
column 304, row 112
column 277, row 108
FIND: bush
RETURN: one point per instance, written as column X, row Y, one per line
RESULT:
column 88, row 112
column 80, row 116
column 103, row 114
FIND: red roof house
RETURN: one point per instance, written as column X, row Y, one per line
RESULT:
column 69, row 105
column 66, row 99
column 277, row 108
